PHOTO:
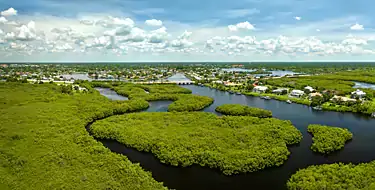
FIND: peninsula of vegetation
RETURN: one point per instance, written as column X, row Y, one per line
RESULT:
column 238, row 109
column 233, row 144
column 328, row 139
column 334, row 176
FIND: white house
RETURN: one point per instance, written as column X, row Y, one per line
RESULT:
column 280, row 91
column 260, row 89
column 309, row 88
column 297, row 93
column 358, row 94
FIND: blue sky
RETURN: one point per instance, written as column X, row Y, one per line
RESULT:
column 210, row 30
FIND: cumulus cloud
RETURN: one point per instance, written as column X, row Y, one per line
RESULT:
column 23, row 33
column 118, row 36
column 242, row 25
column 154, row 22
column 158, row 36
column 297, row 18
column 9, row 12
column 112, row 22
column 3, row 20
column 136, row 35
column 357, row 27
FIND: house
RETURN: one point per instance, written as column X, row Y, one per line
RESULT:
column 260, row 89
column 309, row 89
column 358, row 94
column 315, row 94
column 336, row 98
column 297, row 93
column 280, row 91
column 232, row 84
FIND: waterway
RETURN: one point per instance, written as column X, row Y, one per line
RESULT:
column 364, row 85
column 360, row 149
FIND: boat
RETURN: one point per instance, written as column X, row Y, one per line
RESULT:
column 267, row 98
column 317, row 108
column 200, row 84
column 231, row 92
column 373, row 114
column 238, row 93
column 289, row 101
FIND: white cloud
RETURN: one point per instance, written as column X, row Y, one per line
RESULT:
column 111, row 22
column 23, row 33
column 158, row 36
column 318, row 30
column 9, row 12
column 357, row 27
column 137, row 35
column 297, row 18
column 242, row 25
column 104, row 37
column 3, row 20
column 154, row 22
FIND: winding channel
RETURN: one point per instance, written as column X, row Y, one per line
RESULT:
column 360, row 149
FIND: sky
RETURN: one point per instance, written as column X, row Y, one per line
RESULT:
column 194, row 30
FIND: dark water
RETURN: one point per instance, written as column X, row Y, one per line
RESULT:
column 360, row 149
column 364, row 85
column 110, row 94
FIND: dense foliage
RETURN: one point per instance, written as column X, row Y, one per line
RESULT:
column 328, row 139
column 182, row 97
column 190, row 102
column 238, row 109
column 231, row 143
column 44, row 144
column 334, row 176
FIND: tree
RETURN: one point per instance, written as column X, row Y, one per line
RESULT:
column 316, row 101
column 66, row 89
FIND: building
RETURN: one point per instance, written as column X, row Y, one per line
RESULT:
column 358, row 94
column 260, row 89
column 232, row 84
column 309, row 89
column 297, row 93
column 336, row 98
column 315, row 94
column 280, row 91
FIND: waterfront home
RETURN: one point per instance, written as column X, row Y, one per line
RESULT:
column 78, row 88
column 309, row 89
column 358, row 94
column 232, row 84
column 336, row 98
column 218, row 82
column 297, row 93
column 260, row 89
column 315, row 94
column 280, row 91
